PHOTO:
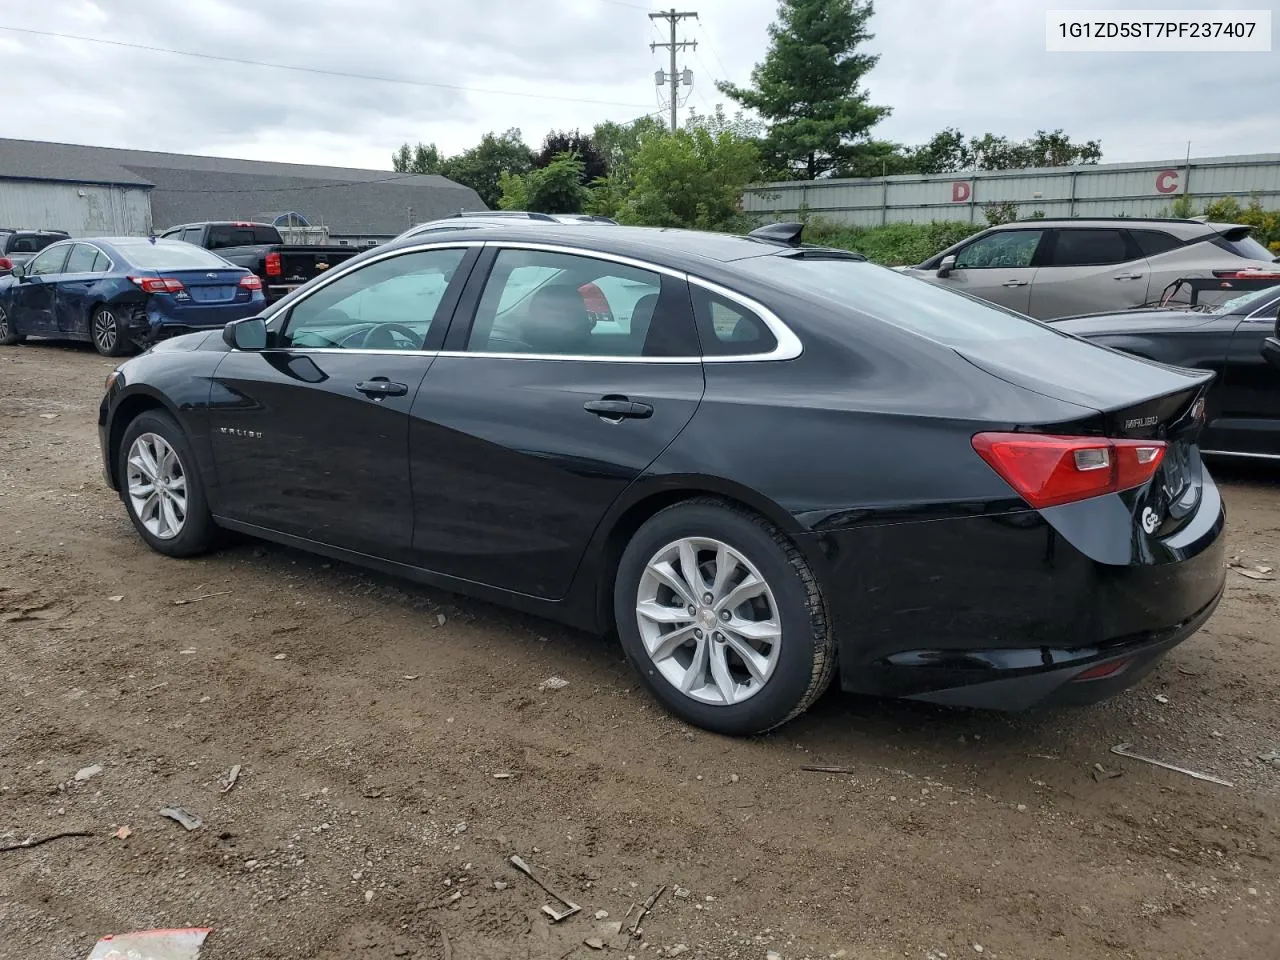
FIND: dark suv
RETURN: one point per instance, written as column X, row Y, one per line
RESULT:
column 1056, row 268
column 19, row 246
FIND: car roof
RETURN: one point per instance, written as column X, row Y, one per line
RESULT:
column 1182, row 229
column 660, row 245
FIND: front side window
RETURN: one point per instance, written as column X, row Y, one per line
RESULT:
column 192, row 235
column 50, row 261
column 387, row 305
column 82, row 260
column 562, row 304
column 1010, row 248
column 1091, row 248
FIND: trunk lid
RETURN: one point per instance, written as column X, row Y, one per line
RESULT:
column 209, row 287
column 1135, row 399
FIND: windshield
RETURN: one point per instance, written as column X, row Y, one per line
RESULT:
column 169, row 255
column 1248, row 302
column 899, row 299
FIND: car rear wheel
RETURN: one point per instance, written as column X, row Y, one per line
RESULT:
column 7, row 335
column 162, row 489
column 108, row 332
column 723, row 618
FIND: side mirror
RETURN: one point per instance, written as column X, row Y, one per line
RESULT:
column 1271, row 351
column 17, row 271
column 247, row 334
column 946, row 266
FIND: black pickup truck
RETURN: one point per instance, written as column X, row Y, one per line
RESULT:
column 258, row 246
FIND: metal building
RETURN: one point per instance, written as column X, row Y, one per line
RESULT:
column 103, row 191
column 1097, row 190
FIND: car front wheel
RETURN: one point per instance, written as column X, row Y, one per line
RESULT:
column 8, row 336
column 723, row 618
column 161, row 488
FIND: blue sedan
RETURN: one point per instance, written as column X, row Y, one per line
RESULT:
column 122, row 292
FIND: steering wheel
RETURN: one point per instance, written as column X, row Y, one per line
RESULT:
column 386, row 333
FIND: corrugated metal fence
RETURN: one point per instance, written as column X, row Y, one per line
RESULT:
column 1102, row 190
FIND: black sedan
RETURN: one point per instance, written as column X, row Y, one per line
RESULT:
column 764, row 464
column 1238, row 340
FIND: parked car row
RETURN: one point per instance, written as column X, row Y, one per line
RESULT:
column 765, row 464
column 1055, row 268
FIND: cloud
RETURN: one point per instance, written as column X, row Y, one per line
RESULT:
column 979, row 67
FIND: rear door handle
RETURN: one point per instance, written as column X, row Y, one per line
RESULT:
column 617, row 409
column 380, row 387
column 1014, row 283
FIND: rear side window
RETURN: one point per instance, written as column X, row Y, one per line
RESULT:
column 1246, row 247
column 1090, row 248
column 1154, row 242
column 192, row 235
column 82, row 259
column 728, row 329
column 30, row 243
column 851, row 287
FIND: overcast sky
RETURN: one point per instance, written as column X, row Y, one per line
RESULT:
column 979, row 66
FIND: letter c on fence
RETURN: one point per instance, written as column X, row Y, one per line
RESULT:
column 960, row 191
column 1167, row 181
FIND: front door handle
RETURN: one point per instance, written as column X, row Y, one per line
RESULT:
column 380, row 387
column 617, row 409
column 1014, row 283
column 1130, row 276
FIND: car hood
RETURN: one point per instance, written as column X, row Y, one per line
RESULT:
column 1131, row 321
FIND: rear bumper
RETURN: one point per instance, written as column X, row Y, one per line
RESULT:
column 151, row 325
column 1004, row 612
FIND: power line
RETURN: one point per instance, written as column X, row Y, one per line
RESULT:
column 318, row 70
column 706, row 36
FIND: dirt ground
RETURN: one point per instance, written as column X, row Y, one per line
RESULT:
column 395, row 748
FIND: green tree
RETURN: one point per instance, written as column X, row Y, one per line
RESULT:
column 557, row 143
column 401, row 159
column 555, row 188
column 619, row 144
column 808, row 89
column 691, row 178
column 950, row 152
column 481, row 167
column 420, row 159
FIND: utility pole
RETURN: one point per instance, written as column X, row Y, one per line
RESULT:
column 674, row 78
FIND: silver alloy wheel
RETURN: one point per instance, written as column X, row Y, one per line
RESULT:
column 157, row 486
column 104, row 330
column 708, row 621
column 4, row 324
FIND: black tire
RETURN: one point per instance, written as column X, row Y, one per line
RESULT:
column 108, row 332
column 197, row 532
column 806, row 649
column 7, row 335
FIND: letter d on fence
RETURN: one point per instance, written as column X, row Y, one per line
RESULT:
column 961, row 190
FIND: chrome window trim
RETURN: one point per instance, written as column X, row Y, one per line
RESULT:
column 1271, row 305
column 788, row 346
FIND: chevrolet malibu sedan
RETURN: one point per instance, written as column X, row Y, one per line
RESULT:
column 764, row 464
column 122, row 292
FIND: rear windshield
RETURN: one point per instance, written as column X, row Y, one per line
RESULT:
column 232, row 235
column 899, row 299
column 169, row 255
column 1246, row 247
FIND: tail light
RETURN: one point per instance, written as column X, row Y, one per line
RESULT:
column 273, row 265
column 159, row 284
column 251, row 282
column 6, row 263
column 1047, row 471
column 1247, row 274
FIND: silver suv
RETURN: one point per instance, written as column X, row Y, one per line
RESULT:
column 1058, row 268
